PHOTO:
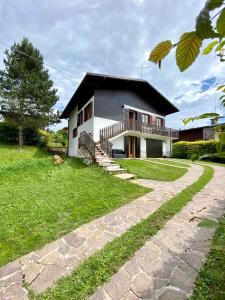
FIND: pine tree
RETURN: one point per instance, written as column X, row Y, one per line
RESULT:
column 27, row 95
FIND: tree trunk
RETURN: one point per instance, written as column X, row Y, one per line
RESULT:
column 20, row 136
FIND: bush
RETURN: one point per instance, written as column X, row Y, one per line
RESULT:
column 9, row 134
column 52, row 139
column 199, row 148
column 215, row 157
column 194, row 157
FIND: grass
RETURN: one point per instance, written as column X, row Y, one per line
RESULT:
column 197, row 161
column 170, row 162
column 40, row 201
column 211, row 282
column 99, row 268
column 10, row 154
column 150, row 170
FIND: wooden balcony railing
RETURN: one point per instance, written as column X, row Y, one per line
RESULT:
column 137, row 126
column 87, row 141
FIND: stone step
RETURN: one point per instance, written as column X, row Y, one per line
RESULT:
column 117, row 170
column 104, row 159
column 125, row 176
column 105, row 164
column 113, row 166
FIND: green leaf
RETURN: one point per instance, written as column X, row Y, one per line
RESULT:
column 187, row 49
column 220, row 46
column 212, row 4
column 160, row 51
column 203, row 25
column 203, row 116
column 209, row 48
column 220, row 87
column 220, row 24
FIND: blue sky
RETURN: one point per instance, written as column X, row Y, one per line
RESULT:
column 115, row 37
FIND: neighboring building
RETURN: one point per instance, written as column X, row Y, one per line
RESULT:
column 198, row 133
column 119, row 113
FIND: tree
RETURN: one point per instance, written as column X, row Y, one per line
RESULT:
column 27, row 95
column 188, row 49
column 189, row 44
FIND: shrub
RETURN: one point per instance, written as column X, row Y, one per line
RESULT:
column 199, row 148
column 52, row 139
column 215, row 157
column 194, row 157
column 9, row 134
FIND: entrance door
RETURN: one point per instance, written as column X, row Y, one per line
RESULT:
column 153, row 148
column 132, row 119
column 131, row 147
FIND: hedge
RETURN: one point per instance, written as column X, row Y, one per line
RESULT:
column 219, row 158
column 187, row 149
column 9, row 134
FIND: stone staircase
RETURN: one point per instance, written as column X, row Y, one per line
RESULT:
column 103, row 160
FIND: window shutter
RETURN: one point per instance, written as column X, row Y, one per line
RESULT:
column 150, row 119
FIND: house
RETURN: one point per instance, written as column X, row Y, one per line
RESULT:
column 197, row 133
column 110, row 112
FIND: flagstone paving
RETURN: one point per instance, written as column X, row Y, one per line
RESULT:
column 166, row 267
column 40, row 269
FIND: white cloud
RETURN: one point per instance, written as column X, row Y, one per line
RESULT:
column 113, row 37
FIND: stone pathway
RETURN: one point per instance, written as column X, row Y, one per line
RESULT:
column 166, row 267
column 39, row 270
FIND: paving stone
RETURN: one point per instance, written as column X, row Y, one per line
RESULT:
column 181, row 280
column 100, row 295
column 31, row 272
column 15, row 292
column 74, row 240
column 10, row 268
column 119, row 285
column 170, row 293
column 131, row 296
column 49, row 275
column 143, row 286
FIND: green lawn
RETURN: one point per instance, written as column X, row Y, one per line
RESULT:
column 150, row 170
column 11, row 154
column 169, row 162
column 99, row 268
column 40, row 202
column 211, row 282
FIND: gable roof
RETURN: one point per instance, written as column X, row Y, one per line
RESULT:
column 93, row 81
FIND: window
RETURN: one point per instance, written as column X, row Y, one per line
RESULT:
column 75, row 132
column 145, row 118
column 80, row 118
column 159, row 121
column 88, row 112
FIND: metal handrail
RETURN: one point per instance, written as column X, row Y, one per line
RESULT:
column 105, row 144
column 87, row 141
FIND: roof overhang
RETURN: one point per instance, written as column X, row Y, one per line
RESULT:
column 92, row 81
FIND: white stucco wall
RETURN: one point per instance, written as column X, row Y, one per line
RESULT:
column 100, row 123
column 118, row 143
column 167, row 148
column 87, row 126
column 73, row 142
column 143, row 147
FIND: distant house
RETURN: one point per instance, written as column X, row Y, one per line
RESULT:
column 198, row 133
column 114, row 113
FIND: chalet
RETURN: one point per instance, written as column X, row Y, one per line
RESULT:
column 114, row 113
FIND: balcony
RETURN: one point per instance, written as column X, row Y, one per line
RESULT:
column 135, row 126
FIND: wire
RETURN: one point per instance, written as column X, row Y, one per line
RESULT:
column 46, row 64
